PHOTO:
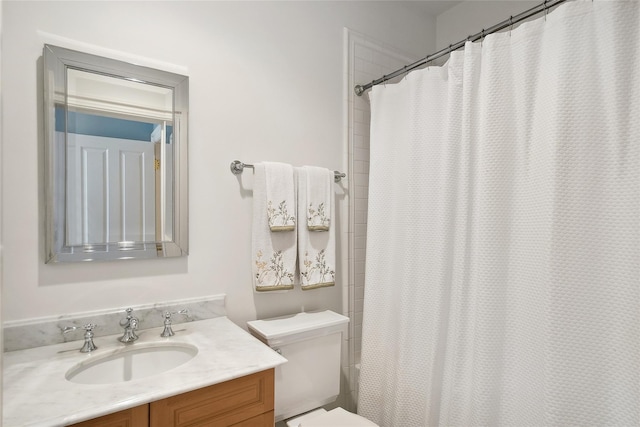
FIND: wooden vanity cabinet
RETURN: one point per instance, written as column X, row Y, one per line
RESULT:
column 244, row 402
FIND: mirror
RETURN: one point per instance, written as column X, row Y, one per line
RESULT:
column 115, row 159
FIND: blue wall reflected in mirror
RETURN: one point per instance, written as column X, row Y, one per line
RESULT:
column 110, row 127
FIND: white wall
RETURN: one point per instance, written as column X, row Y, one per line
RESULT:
column 1, row 246
column 472, row 16
column 266, row 83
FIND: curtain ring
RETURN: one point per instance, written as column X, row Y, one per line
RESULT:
column 510, row 25
column 384, row 80
column 546, row 9
column 482, row 38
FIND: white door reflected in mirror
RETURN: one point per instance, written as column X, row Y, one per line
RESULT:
column 111, row 190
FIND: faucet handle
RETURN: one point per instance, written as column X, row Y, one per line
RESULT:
column 88, row 345
column 168, row 332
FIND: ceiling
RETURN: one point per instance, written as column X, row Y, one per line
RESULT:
column 434, row 7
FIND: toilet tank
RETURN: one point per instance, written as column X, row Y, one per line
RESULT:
column 311, row 343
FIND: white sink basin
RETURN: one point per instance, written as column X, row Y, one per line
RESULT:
column 131, row 363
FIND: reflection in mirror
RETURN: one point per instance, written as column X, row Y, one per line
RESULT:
column 116, row 155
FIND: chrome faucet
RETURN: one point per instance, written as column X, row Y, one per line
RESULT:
column 168, row 332
column 130, row 324
column 88, row 345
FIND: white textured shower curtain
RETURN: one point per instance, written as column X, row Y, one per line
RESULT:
column 502, row 278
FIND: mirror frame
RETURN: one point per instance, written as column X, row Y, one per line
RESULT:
column 57, row 61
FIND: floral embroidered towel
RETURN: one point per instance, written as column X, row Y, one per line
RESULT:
column 319, row 192
column 281, row 200
column 274, row 254
column 316, row 251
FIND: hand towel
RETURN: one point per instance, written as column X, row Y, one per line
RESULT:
column 274, row 254
column 281, row 202
column 319, row 192
column 316, row 251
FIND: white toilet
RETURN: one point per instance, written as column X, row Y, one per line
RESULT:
column 311, row 343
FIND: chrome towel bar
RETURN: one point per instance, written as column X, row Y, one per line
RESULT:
column 237, row 167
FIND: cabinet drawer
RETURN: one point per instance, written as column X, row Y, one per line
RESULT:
column 223, row 404
column 134, row 417
column 262, row 420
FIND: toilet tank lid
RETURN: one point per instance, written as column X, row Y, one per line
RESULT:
column 278, row 327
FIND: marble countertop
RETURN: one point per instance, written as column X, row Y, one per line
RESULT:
column 36, row 393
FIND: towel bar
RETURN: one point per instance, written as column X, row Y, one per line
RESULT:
column 237, row 167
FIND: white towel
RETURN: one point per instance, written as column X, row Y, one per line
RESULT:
column 319, row 194
column 316, row 251
column 274, row 254
column 281, row 201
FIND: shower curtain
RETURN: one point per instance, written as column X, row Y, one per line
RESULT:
column 502, row 274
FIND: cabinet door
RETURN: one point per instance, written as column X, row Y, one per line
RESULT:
column 134, row 417
column 220, row 405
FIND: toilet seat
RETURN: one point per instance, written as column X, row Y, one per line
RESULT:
column 337, row 417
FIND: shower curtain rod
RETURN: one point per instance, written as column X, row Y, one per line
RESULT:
column 543, row 7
